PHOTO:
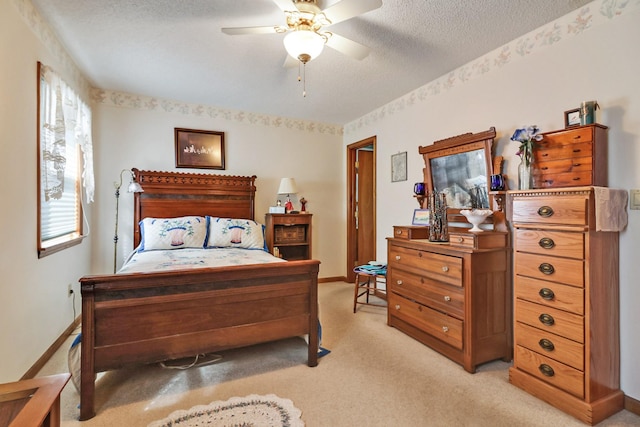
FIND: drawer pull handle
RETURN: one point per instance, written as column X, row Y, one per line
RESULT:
column 399, row 232
column 546, row 344
column 547, row 294
column 546, row 268
column 544, row 168
column 545, row 211
column 399, row 282
column 546, row 243
column 397, row 257
column 546, row 370
column 577, row 178
column 546, row 319
column 447, row 298
column 577, row 164
column 397, row 306
column 445, row 329
column 445, row 268
column 460, row 240
column 545, row 154
column 577, row 150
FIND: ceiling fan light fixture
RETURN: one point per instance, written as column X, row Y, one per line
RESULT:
column 304, row 45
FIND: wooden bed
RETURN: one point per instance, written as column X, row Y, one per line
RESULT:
column 140, row 318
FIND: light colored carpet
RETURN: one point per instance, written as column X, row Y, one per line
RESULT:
column 374, row 376
column 253, row 410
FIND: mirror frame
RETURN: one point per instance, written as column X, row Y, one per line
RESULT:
column 457, row 145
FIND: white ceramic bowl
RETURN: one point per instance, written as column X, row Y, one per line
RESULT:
column 476, row 217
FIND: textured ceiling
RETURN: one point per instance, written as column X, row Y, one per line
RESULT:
column 174, row 49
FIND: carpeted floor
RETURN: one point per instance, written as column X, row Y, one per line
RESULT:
column 374, row 376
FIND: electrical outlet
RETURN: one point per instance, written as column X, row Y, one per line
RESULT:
column 69, row 289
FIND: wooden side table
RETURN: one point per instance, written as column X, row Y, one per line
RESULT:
column 289, row 235
column 33, row 402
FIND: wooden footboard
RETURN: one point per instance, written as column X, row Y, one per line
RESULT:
column 151, row 317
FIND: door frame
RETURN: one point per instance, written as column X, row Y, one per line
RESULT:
column 351, row 201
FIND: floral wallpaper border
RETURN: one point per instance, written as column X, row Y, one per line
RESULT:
column 43, row 31
column 572, row 24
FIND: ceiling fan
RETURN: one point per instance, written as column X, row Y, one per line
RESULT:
column 305, row 23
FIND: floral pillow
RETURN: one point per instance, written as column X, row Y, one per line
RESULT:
column 173, row 233
column 235, row 233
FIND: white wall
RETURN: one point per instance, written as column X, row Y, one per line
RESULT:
column 507, row 89
column 132, row 134
column 34, row 306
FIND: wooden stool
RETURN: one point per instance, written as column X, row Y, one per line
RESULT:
column 366, row 284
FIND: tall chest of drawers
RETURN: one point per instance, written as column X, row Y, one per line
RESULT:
column 455, row 299
column 566, row 303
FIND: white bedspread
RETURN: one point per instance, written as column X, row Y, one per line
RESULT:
column 181, row 259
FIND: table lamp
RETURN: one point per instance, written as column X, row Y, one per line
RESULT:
column 288, row 187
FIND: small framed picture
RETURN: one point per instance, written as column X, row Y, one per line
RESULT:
column 420, row 217
column 199, row 149
column 572, row 118
column 399, row 167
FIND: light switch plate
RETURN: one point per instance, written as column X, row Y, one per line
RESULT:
column 634, row 199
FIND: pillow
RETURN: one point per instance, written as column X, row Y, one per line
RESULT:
column 235, row 233
column 173, row 233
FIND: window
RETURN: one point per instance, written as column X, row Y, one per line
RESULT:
column 64, row 160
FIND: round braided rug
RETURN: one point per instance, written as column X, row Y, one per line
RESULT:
column 253, row 410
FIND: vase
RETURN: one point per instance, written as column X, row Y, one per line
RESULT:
column 525, row 175
column 438, row 223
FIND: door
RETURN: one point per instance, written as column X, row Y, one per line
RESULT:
column 361, row 233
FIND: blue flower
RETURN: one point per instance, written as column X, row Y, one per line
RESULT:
column 526, row 136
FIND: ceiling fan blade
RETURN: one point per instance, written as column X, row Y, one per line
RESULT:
column 347, row 9
column 250, row 30
column 347, row 46
column 286, row 5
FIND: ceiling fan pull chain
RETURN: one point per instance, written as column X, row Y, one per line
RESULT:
column 304, row 80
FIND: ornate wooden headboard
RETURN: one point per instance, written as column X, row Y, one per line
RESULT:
column 173, row 194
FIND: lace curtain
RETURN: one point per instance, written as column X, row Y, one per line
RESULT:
column 65, row 124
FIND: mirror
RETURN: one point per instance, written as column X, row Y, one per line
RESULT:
column 461, row 168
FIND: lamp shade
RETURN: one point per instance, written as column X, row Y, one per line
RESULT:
column 287, row 186
column 304, row 45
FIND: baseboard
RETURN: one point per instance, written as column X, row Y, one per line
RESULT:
column 37, row 367
column 332, row 279
column 632, row 405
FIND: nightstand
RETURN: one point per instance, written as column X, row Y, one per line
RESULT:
column 289, row 235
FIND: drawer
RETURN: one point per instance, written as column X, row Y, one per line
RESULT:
column 410, row 232
column 484, row 240
column 550, row 371
column 555, row 295
column 568, row 179
column 289, row 219
column 549, row 319
column 557, row 151
column 446, row 328
column 558, row 165
column 553, row 243
column 290, row 234
column 550, row 210
column 570, row 136
column 561, row 270
column 554, row 346
column 442, row 297
column 444, row 268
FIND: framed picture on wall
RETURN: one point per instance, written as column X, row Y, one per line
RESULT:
column 399, row 167
column 199, row 149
